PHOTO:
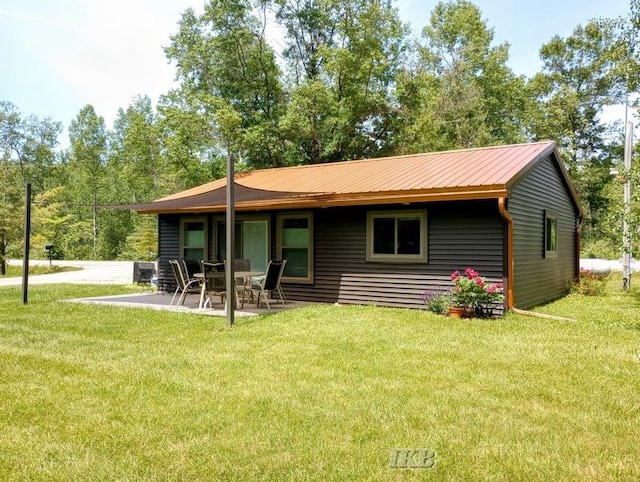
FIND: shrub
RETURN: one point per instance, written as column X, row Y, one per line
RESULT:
column 589, row 284
column 437, row 301
column 472, row 291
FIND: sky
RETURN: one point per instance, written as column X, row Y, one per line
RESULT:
column 58, row 56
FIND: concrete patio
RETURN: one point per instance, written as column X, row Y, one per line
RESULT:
column 160, row 301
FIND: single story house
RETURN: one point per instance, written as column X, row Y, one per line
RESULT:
column 382, row 231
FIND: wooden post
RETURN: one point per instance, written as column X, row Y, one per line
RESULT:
column 230, row 238
column 27, row 245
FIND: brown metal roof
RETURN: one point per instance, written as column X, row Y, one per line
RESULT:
column 451, row 175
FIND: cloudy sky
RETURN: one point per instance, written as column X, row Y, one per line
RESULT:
column 57, row 56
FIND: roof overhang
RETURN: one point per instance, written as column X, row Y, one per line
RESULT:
column 326, row 200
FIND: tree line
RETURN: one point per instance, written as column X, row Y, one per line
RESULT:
column 345, row 81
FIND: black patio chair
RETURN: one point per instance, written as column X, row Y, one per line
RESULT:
column 270, row 282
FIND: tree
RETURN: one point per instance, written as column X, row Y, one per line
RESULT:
column 577, row 81
column 459, row 92
column 135, row 157
column 343, row 57
column 11, row 209
column 49, row 222
column 30, row 144
column 224, row 62
column 88, row 137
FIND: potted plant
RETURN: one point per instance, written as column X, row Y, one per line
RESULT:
column 472, row 295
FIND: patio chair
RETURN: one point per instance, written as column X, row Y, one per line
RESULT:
column 183, row 284
column 270, row 282
column 215, row 281
column 191, row 267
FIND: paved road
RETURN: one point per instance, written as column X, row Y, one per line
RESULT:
column 91, row 272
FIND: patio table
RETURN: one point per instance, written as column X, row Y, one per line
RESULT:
column 243, row 275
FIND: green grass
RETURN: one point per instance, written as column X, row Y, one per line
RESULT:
column 14, row 271
column 322, row 393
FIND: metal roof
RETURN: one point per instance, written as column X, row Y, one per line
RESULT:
column 450, row 175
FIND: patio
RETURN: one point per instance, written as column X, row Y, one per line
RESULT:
column 160, row 301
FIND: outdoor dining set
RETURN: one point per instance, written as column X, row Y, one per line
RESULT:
column 208, row 279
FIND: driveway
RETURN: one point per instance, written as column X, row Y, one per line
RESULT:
column 90, row 272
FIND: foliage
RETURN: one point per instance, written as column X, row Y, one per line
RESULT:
column 49, row 224
column 472, row 291
column 142, row 243
column 104, row 393
column 600, row 249
column 576, row 83
column 437, row 301
column 11, row 211
column 88, row 138
column 343, row 57
column 460, row 93
column 589, row 284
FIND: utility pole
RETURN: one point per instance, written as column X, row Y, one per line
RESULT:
column 626, row 235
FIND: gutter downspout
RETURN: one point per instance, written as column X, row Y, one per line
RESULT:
column 578, row 246
column 502, row 207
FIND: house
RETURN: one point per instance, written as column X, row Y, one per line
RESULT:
column 382, row 231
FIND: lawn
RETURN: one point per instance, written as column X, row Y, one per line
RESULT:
column 321, row 393
column 15, row 271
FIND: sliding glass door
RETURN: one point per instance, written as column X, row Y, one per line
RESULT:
column 251, row 241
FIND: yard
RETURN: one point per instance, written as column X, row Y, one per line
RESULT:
column 321, row 393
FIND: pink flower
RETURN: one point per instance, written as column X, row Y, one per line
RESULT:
column 479, row 281
column 471, row 273
column 454, row 275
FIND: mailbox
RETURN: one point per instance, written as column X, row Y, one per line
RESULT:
column 49, row 248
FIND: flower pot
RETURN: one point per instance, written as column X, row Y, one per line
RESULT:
column 456, row 311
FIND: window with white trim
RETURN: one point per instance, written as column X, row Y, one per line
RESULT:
column 295, row 244
column 397, row 236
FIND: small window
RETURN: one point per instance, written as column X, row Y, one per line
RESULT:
column 550, row 235
column 295, row 244
column 397, row 236
column 193, row 239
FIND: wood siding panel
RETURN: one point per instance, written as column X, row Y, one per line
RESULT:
column 538, row 279
column 459, row 235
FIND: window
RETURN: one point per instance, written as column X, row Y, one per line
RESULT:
column 295, row 244
column 397, row 237
column 193, row 238
column 550, row 235
column 251, row 241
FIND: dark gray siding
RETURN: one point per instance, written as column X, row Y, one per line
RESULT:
column 460, row 234
column 538, row 279
column 169, row 236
